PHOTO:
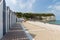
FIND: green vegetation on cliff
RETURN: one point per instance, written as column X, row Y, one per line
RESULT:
column 33, row 15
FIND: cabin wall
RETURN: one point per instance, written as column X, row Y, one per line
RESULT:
column 13, row 18
column 7, row 19
column 1, row 19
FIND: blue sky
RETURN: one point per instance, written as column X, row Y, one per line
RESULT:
column 38, row 6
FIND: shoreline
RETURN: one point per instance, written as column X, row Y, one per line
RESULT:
column 46, row 25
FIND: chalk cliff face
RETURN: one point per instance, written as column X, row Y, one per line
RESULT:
column 45, row 17
column 48, row 18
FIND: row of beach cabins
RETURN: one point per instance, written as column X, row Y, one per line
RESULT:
column 7, row 18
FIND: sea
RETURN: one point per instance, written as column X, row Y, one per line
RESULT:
column 57, row 22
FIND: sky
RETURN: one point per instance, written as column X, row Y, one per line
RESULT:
column 38, row 6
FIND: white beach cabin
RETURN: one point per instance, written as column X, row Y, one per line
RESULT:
column 2, row 18
column 7, row 18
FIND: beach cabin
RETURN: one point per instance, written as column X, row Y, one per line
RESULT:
column 12, row 18
column 2, row 18
column 7, row 18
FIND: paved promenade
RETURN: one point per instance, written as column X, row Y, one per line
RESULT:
column 15, row 33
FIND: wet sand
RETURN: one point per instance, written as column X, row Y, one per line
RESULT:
column 41, row 33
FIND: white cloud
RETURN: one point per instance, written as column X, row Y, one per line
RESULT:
column 54, row 0
column 22, row 5
column 14, row 1
column 10, row 2
column 27, row 5
column 55, row 7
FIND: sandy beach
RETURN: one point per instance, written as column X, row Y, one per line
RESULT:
column 40, row 32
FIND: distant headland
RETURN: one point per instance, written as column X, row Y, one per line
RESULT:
column 37, row 16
